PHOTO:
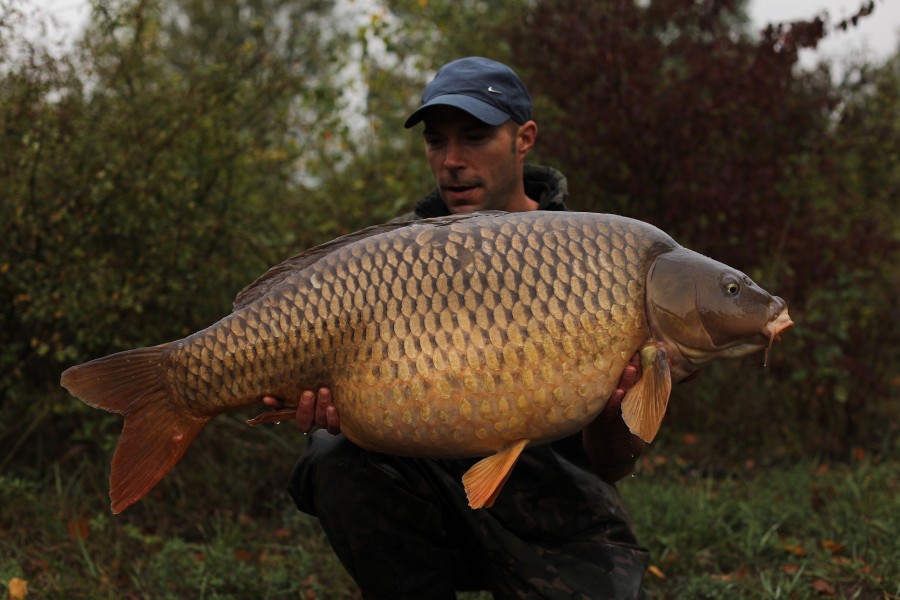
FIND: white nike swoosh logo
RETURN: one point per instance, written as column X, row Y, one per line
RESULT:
column 493, row 91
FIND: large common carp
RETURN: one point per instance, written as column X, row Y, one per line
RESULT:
column 472, row 335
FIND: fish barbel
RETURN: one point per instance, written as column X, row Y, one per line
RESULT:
column 470, row 335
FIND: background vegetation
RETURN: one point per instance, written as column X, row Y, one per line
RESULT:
column 183, row 147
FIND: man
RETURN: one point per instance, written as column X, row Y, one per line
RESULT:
column 402, row 526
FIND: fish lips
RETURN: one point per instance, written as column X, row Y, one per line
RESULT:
column 779, row 324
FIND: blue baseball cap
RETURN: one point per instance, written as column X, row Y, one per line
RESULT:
column 486, row 89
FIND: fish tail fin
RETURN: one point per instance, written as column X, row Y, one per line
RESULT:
column 484, row 480
column 156, row 433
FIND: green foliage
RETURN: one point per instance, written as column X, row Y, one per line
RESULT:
column 143, row 183
column 126, row 199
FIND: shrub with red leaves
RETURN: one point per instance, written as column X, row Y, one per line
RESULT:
column 671, row 111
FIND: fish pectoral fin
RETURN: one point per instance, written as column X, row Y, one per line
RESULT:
column 644, row 406
column 484, row 480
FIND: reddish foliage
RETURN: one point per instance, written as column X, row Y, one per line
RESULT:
column 669, row 112
column 664, row 113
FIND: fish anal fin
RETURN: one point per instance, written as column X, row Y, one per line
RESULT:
column 644, row 405
column 484, row 480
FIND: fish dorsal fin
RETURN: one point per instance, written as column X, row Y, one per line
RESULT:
column 484, row 480
column 266, row 282
column 277, row 274
column 644, row 406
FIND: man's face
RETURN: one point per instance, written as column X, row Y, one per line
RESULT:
column 476, row 166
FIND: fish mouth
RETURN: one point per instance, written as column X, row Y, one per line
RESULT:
column 774, row 328
column 777, row 326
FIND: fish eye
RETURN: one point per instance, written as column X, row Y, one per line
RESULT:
column 732, row 287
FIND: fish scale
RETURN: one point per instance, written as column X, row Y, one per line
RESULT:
column 440, row 336
column 473, row 335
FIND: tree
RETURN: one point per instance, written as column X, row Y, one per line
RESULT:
column 180, row 150
column 672, row 112
column 138, row 195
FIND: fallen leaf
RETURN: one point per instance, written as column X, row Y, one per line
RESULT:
column 690, row 439
column 78, row 528
column 822, row 587
column 795, row 549
column 833, row 546
column 243, row 555
column 18, row 588
column 656, row 572
column 738, row 575
column 282, row 533
column 310, row 592
column 790, row 569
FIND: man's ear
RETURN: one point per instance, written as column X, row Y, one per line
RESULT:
column 526, row 137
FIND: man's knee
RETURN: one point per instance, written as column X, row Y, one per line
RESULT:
column 324, row 470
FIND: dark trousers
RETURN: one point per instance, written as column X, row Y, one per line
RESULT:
column 403, row 529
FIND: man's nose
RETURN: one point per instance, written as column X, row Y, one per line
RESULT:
column 454, row 158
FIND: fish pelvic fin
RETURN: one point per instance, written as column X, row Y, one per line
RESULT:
column 484, row 480
column 155, row 434
column 644, row 405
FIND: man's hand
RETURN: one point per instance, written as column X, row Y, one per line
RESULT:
column 314, row 410
column 609, row 444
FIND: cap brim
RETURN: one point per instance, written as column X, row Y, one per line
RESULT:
column 482, row 111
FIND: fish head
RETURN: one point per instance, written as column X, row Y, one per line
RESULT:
column 701, row 310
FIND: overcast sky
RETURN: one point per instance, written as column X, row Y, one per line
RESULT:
column 876, row 38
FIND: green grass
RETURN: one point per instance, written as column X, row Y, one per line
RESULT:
column 221, row 526
column 804, row 531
